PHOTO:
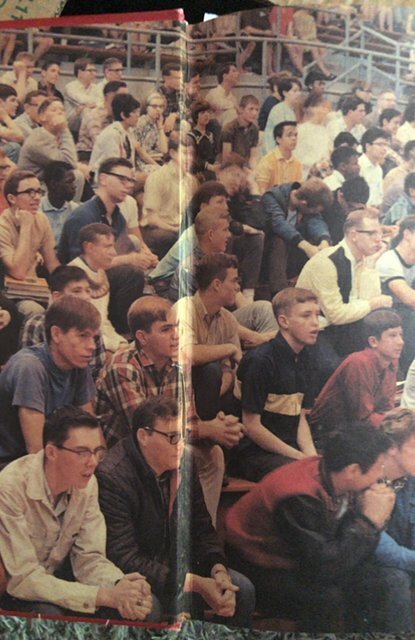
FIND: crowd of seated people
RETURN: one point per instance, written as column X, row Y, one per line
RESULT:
column 231, row 293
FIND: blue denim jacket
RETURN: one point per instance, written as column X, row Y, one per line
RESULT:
column 396, row 546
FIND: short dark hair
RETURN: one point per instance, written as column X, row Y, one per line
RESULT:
column 112, row 86
column 69, row 312
column 409, row 182
column 223, row 69
column 406, row 224
column 355, row 190
column 285, row 84
column 372, row 134
column 152, row 409
column 169, row 67
column 81, row 64
column 408, row 148
column 55, row 171
column 108, row 165
column 398, row 425
column 110, row 61
column 123, row 104
column 314, row 76
column 11, row 186
column 145, row 311
column 90, row 232
column 48, row 63
column 6, row 91
column 388, row 114
column 61, row 421
column 342, row 154
column 286, row 299
column 344, row 138
column 354, row 444
column 350, row 103
column 33, row 94
column 249, row 98
column 204, row 193
column 409, row 113
column 278, row 130
column 380, row 320
column 198, row 107
column 63, row 275
column 213, row 266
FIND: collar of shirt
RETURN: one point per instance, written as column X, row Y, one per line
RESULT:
column 46, row 205
column 278, row 156
column 381, row 364
column 280, row 342
column 202, row 311
column 349, row 255
column 38, row 488
column 103, row 213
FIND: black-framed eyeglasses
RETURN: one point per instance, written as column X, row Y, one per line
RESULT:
column 31, row 192
column 124, row 179
column 85, row 454
column 369, row 232
column 174, row 437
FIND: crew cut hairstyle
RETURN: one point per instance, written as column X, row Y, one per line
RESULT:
column 285, row 300
column 70, row 312
column 278, row 130
column 355, row 219
column 380, row 320
column 55, row 171
column 90, row 232
column 399, row 425
column 63, row 275
column 156, row 407
column 108, row 165
column 355, row 190
column 145, row 311
column 59, row 423
column 208, row 218
column 354, row 444
column 212, row 267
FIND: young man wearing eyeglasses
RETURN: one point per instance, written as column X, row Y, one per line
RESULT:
column 25, row 232
column 376, row 144
column 39, row 379
column 52, row 543
column 158, row 524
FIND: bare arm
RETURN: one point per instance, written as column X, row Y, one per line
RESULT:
column 19, row 262
column 31, row 424
column 265, row 439
column 304, row 439
column 402, row 290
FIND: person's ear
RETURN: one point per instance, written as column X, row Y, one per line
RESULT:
column 372, row 342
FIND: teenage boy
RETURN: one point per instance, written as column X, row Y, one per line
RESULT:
column 362, row 389
column 53, row 536
column 305, row 542
column 58, row 202
column 375, row 144
column 274, row 385
column 345, row 163
column 154, row 541
column 37, row 380
column 64, row 281
column 280, row 165
column 404, row 205
column 242, row 134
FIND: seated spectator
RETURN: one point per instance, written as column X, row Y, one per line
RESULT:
column 49, row 74
column 165, row 192
column 352, row 195
column 304, row 27
column 313, row 156
column 11, row 136
column 117, row 139
column 307, row 549
column 389, row 121
column 396, row 268
column 20, row 77
column 362, row 389
column 406, row 131
column 221, row 98
column 270, row 101
column 306, row 231
column 52, row 141
column 274, row 385
column 151, row 141
column 115, row 181
column 290, row 92
column 57, row 204
column 35, row 543
column 98, row 251
column 256, row 22
column 25, row 231
column 29, row 119
column 393, row 183
column 147, row 367
column 385, row 101
column 9, row 329
column 203, row 141
column 345, row 139
column 149, row 540
column 279, row 165
column 39, row 379
column 375, row 144
column 64, row 281
column 351, row 118
column 315, row 82
column 404, row 205
column 6, row 166
column 113, row 70
column 241, row 135
column 95, row 119
column 171, row 88
column 345, row 163
column 81, row 92
column 346, row 284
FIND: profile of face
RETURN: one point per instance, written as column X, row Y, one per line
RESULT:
column 27, row 196
column 73, row 349
column 163, row 445
column 390, row 344
column 301, row 324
